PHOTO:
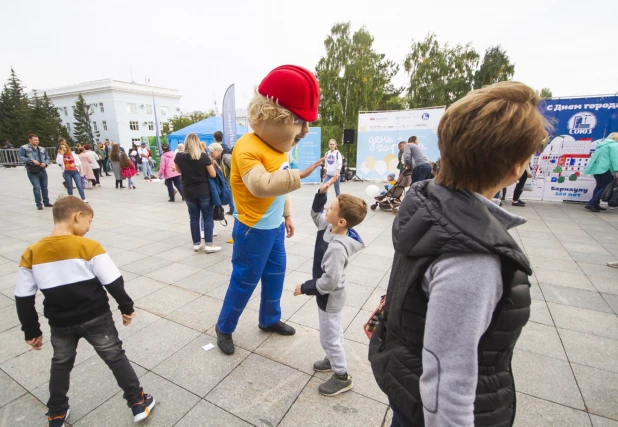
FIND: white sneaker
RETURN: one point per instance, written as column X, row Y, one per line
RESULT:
column 214, row 233
column 197, row 248
column 86, row 201
column 212, row 249
column 202, row 234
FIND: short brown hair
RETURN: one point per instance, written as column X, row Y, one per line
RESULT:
column 66, row 206
column 486, row 133
column 218, row 136
column 32, row 135
column 412, row 139
column 352, row 209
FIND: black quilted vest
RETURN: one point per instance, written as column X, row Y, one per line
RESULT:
column 432, row 221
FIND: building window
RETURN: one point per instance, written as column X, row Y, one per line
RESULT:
column 102, row 109
column 136, row 141
column 73, row 108
column 150, row 126
column 90, row 109
column 132, row 108
column 94, row 126
column 148, row 109
column 65, row 111
column 134, row 125
column 69, row 127
column 104, row 125
column 163, row 110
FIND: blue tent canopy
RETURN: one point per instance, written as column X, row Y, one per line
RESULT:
column 203, row 129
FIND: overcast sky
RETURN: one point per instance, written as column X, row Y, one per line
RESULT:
column 201, row 47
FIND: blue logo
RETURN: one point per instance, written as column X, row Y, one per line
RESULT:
column 425, row 116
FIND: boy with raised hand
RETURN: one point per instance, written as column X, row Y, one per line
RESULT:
column 335, row 243
column 74, row 273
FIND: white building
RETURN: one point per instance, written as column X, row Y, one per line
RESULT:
column 119, row 111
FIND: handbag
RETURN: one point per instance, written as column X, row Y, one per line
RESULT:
column 219, row 214
column 613, row 201
column 375, row 318
column 527, row 186
column 34, row 169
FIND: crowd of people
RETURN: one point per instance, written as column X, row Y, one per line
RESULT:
column 458, row 295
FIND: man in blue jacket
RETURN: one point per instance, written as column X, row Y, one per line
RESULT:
column 36, row 160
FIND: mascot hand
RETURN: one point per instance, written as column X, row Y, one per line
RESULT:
column 310, row 169
column 324, row 188
column 289, row 226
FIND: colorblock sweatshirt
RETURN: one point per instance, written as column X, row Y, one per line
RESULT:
column 73, row 273
column 330, row 258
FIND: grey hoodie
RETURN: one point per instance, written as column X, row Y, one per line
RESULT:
column 330, row 258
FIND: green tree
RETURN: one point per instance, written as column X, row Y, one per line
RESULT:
column 544, row 93
column 496, row 67
column 353, row 77
column 14, row 112
column 439, row 74
column 178, row 122
column 82, row 129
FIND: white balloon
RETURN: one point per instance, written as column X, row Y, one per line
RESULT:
column 364, row 169
column 380, row 167
column 372, row 191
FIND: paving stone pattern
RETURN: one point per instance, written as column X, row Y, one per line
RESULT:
column 565, row 362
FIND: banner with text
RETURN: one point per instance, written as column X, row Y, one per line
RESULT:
column 579, row 124
column 307, row 152
column 380, row 133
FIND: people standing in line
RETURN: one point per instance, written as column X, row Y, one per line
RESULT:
column 75, row 275
column 335, row 243
column 603, row 166
column 195, row 168
column 180, row 149
column 93, row 159
column 127, row 169
column 114, row 157
column 225, row 166
column 71, row 168
column 86, row 170
column 519, row 188
column 134, row 157
column 459, row 295
column 401, row 166
column 99, row 149
column 146, row 158
column 218, row 137
column 167, row 171
column 107, row 148
column 333, row 164
column 415, row 160
column 36, row 161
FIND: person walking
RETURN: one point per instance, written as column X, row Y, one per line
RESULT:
column 86, row 168
column 519, row 188
column 146, row 158
column 333, row 162
column 71, row 168
column 217, row 153
column 107, row 149
column 127, row 169
column 167, row 170
column 459, row 293
column 134, row 157
column 99, row 149
column 195, row 167
column 36, row 160
column 415, row 160
column 603, row 166
column 93, row 159
column 114, row 157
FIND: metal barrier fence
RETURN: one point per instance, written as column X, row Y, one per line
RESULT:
column 10, row 157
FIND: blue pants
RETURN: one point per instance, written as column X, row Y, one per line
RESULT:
column 327, row 177
column 258, row 255
column 39, row 187
column 74, row 175
column 197, row 206
column 603, row 180
column 146, row 168
column 421, row 172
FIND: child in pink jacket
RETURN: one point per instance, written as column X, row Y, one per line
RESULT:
column 168, row 171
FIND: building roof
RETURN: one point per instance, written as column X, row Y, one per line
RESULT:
column 107, row 85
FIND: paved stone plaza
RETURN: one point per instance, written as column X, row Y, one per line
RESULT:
column 565, row 363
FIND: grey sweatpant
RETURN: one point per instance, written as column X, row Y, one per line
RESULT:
column 331, row 338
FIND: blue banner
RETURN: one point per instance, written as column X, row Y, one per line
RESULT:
column 229, row 117
column 587, row 119
column 307, row 152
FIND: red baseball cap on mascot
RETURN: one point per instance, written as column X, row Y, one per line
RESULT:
column 295, row 89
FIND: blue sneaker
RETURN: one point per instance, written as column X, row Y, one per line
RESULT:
column 141, row 410
column 59, row 420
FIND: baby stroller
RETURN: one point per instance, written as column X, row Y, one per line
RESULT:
column 391, row 200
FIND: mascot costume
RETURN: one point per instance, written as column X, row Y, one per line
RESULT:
column 261, row 180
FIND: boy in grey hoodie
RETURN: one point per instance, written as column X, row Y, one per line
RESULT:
column 335, row 243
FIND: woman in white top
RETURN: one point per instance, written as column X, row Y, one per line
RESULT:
column 93, row 160
column 334, row 161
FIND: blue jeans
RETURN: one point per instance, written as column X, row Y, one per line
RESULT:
column 399, row 420
column 327, row 177
column 74, row 175
column 39, row 187
column 146, row 168
column 232, row 208
column 196, row 206
column 603, row 180
column 257, row 255
column 421, row 172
